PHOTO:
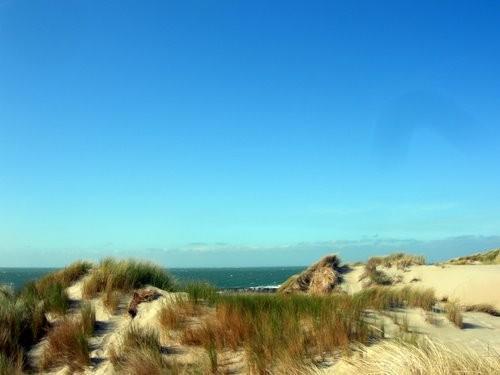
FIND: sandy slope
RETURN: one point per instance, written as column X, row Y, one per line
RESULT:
column 469, row 284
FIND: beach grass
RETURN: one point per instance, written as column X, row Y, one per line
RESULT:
column 67, row 345
column 375, row 276
column 486, row 257
column 140, row 353
column 423, row 357
column 454, row 313
column 284, row 331
column 125, row 275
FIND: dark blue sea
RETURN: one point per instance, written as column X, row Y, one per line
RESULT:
column 224, row 278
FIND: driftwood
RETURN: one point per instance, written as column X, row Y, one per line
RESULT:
column 139, row 297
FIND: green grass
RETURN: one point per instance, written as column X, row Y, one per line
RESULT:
column 199, row 292
column 125, row 275
column 386, row 298
column 22, row 315
column 64, row 277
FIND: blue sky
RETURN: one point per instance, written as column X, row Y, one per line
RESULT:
column 183, row 128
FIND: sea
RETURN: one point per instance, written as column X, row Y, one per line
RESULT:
column 222, row 278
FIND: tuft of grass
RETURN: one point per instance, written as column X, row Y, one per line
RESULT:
column 373, row 275
column 401, row 260
column 22, row 323
column 87, row 314
column 125, row 275
column 175, row 314
column 140, row 353
column 454, row 314
column 66, row 345
column 423, row 357
column 376, row 276
column 111, row 297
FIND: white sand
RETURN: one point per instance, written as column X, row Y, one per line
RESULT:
column 468, row 284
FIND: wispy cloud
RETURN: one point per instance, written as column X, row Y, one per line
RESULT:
column 222, row 254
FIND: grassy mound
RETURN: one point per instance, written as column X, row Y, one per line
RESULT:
column 320, row 278
column 486, row 257
column 375, row 276
column 111, row 278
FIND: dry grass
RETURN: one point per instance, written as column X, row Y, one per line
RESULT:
column 422, row 357
column 174, row 315
column 454, row 314
column 486, row 257
column 140, row 353
column 87, row 314
column 484, row 308
column 125, row 275
column 398, row 260
column 66, row 346
column 320, row 278
column 111, row 298
column 375, row 276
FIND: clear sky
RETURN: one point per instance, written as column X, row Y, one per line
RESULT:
column 202, row 132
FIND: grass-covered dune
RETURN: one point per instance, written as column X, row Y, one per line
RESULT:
column 69, row 321
column 486, row 257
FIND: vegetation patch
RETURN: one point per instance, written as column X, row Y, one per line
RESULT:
column 454, row 314
column 22, row 315
column 487, row 257
column 484, row 308
column 423, row 357
column 285, row 332
column 140, row 353
column 66, row 346
column 123, row 276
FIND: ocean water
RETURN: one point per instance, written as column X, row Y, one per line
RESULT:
column 224, row 278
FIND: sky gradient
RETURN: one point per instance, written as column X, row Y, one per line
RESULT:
column 181, row 128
